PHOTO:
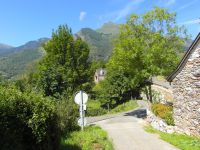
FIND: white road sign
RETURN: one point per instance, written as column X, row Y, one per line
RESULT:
column 79, row 96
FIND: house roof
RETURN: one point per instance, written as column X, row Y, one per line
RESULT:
column 184, row 60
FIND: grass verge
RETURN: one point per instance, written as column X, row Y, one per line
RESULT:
column 130, row 105
column 95, row 109
column 181, row 141
column 92, row 138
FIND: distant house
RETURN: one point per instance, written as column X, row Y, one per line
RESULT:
column 99, row 75
column 185, row 82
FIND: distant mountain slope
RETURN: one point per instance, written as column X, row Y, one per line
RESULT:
column 100, row 41
column 100, row 44
column 16, row 61
column 109, row 28
column 4, row 48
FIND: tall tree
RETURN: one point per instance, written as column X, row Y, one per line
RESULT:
column 65, row 68
column 146, row 46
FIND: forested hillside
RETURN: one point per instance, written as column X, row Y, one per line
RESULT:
column 16, row 60
column 100, row 44
column 100, row 41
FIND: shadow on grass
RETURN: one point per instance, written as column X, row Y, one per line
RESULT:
column 139, row 113
column 69, row 147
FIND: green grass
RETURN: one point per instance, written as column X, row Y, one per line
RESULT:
column 130, row 105
column 94, row 108
column 181, row 141
column 92, row 138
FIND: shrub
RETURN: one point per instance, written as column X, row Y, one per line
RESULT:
column 27, row 121
column 164, row 112
column 67, row 112
column 169, row 118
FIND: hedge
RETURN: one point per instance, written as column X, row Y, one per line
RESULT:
column 27, row 121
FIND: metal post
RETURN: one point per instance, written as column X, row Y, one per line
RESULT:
column 82, row 109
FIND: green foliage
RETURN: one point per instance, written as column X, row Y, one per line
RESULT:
column 94, row 108
column 28, row 121
column 169, row 118
column 67, row 112
column 26, row 82
column 146, row 46
column 164, row 112
column 65, row 68
column 102, row 94
column 130, row 105
column 92, row 138
column 113, row 89
column 183, row 142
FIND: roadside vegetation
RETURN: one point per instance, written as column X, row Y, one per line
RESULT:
column 37, row 109
column 164, row 112
column 181, row 141
column 92, row 138
column 95, row 108
column 130, row 105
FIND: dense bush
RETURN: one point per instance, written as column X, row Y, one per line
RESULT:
column 164, row 112
column 67, row 112
column 27, row 121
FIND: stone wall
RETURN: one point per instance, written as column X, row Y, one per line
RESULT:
column 186, row 92
column 162, row 94
column 161, row 91
column 159, row 124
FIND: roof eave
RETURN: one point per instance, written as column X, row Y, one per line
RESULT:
column 183, row 60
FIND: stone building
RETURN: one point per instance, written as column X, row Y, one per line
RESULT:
column 185, row 82
column 99, row 75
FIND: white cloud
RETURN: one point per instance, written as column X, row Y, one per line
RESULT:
column 121, row 13
column 127, row 9
column 186, row 5
column 195, row 21
column 170, row 2
column 82, row 15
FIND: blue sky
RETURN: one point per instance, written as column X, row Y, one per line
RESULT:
column 25, row 20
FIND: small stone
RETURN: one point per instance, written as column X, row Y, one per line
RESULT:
column 197, row 73
column 197, row 84
column 170, row 131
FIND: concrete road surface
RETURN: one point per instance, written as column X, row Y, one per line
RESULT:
column 127, row 133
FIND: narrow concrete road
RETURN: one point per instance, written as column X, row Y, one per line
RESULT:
column 127, row 133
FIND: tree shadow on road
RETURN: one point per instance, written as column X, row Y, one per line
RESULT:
column 139, row 113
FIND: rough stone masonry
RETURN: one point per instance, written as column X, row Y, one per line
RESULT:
column 186, row 92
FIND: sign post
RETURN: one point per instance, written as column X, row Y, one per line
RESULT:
column 82, row 111
column 81, row 99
